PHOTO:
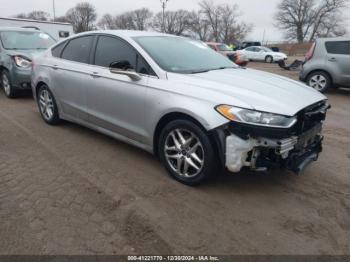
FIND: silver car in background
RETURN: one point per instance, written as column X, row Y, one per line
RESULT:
column 327, row 64
column 177, row 98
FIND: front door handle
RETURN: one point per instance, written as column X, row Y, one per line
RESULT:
column 55, row 67
column 333, row 59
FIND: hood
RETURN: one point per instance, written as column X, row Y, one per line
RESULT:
column 250, row 89
column 31, row 54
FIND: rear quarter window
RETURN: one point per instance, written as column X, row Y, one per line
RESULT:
column 78, row 49
column 57, row 50
column 338, row 47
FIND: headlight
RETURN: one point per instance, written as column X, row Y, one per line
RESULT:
column 255, row 117
column 22, row 62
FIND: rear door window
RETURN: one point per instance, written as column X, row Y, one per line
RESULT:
column 338, row 47
column 78, row 49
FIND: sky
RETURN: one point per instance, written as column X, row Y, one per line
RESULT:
column 257, row 12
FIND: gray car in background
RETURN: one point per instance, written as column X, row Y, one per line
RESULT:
column 327, row 64
column 18, row 46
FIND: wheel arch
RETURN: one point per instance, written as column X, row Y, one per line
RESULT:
column 38, row 85
column 269, row 56
column 3, row 68
column 323, row 71
column 167, row 118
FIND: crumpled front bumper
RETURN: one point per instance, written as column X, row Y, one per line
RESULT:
column 259, row 153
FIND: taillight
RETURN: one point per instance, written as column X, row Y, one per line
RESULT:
column 311, row 52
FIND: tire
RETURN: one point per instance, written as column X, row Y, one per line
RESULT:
column 320, row 81
column 196, row 154
column 6, row 84
column 269, row 59
column 47, row 106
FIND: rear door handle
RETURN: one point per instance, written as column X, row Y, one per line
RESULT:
column 333, row 59
column 55, row 67
column 95, row 75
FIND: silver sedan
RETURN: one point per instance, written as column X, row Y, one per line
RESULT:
column 175, row 97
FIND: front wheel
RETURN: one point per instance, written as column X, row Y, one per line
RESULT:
column 187, row 152
column 269, row 59
column 47, row 106
column 6, row 84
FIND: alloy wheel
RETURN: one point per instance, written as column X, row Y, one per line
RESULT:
column 46, row 104
column 318, row 82
column 6, row 84
column 184, row 153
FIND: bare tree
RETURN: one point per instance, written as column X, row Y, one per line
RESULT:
column 35, row 15
column 199, row 26
column 304, row 20
column 82, row 17
column 139, row 19
column 213, row 14
column 175, row 22
column 107, row 22
column 62, row 19
column 224, row 23
column 123, row 21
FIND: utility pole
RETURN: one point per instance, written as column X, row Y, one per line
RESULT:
column 163, row 2
column 54, row 10
column 263, row 39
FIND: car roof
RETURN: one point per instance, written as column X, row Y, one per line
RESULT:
column 18, row 29
column 127, row 33
column 333, row 39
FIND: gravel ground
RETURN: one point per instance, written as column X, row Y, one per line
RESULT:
column 69, row 190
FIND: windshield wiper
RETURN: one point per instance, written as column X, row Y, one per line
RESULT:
column 200, row 71
column 222, row 68
column 213, row 69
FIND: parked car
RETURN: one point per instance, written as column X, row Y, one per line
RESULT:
column 327, row 64
column 236, row 57
column 56, row 30
column 261, row 53
column 18, row 46
column 176, row 98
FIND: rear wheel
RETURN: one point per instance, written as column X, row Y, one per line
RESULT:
column 6, row 84
column 186, row 152
column 47, row 106
column 320, row 81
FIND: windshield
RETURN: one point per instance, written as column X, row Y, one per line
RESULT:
column 266, row 49
column 224, row 47
column 22, row 40
column 183, row 55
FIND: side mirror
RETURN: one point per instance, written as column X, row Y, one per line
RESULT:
column 124, row 68
column 121, row 65
column 131, row 74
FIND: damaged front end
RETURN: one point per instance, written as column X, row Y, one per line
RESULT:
column 261, row 148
